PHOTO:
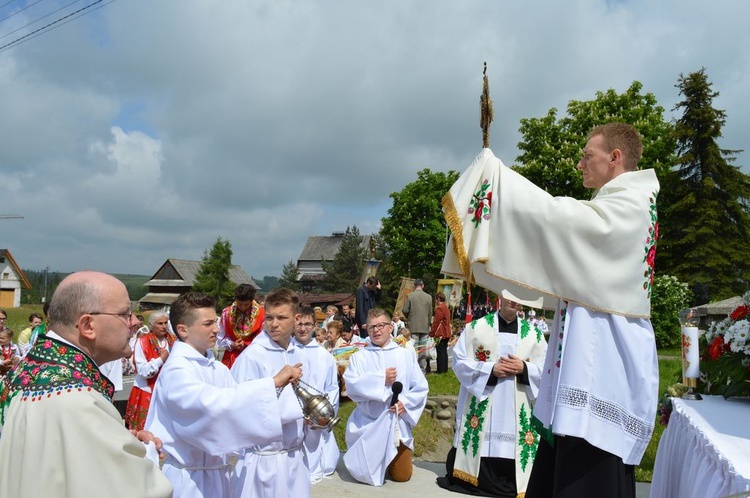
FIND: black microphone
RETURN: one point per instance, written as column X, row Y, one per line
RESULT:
column 397, row 387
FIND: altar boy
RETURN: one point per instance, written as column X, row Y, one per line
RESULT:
column 321, row 450
column 379, row 432
column 194, row 391
column 276, row 469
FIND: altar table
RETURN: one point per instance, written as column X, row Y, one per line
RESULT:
column 705, row 450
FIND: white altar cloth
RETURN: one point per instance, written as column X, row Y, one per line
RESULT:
column 705, row 450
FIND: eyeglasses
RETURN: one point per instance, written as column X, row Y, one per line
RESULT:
column 306, row 325
column 127, row 315
column 378, row 326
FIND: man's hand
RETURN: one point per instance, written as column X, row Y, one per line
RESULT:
column 508, row 367
column 148, row 437
column 288, row 374
column 398, row 408
column 390, row 376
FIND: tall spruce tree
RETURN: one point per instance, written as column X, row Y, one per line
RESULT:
column 344, row 271
column 705, row 228
column 213, row 276
column 289, row 275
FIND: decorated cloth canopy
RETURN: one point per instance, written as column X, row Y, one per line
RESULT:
column 509, row 234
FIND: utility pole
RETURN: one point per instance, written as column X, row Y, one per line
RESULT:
column 44, row 297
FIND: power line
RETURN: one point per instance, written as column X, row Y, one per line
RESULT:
column 38, row 19
column 55, row 24
column 19, row 11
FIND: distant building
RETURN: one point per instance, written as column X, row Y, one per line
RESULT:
column 317, row 249
column 12, row 279
column 177, row 276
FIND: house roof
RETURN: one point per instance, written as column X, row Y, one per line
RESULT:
column 182, row 273
column 5, row 253
column 309, row 299
column 320, row 247
column 724, row 307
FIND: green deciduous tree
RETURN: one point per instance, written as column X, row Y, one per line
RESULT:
column 289, row 274
column 551, row 147
column 414, row 230
column 668, row 297
column 213, row 275
column 705, row 228
column 344, row 271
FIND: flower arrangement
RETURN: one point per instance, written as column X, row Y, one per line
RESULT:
column 725, row 356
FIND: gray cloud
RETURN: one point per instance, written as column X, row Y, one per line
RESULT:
column 147, row 129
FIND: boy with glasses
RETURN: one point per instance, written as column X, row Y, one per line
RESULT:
column 379, row 431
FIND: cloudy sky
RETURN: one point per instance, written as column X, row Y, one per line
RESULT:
column 146, row 129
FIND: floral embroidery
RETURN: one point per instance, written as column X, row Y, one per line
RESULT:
column 685, row 348
column 473, row 425
column 481, row 203
column 528, row 438
column 482, row 354
column 52, row 366
column 650, row 249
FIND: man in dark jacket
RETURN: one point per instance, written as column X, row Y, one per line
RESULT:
column 367, row 298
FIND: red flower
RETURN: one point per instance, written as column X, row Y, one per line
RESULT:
column 651, row 256
column 478, row 212
column 481, row 357
column 62, row 350
column 474, row 422
column 489, row 198
column 656, row 232
column 740, row 313
column 716, row 347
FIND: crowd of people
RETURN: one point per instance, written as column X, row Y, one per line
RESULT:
column 568, row 420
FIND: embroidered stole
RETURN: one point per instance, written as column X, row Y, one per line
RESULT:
column 483, row 341
column 52, row 366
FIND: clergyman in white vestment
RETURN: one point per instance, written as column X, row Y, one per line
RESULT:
column 599, row 386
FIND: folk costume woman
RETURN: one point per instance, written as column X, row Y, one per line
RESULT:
column 151, row 351
column 240, row 323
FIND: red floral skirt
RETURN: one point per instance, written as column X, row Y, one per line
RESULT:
column 137, row 410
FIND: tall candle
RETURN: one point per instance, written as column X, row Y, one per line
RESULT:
column 690, row 354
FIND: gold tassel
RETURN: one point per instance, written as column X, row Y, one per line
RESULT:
column 460, row 474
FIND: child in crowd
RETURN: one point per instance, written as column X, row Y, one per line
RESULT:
column 321, row 450
column 320, row 336
column 398, row 323
column 276, row 469
column 11, row 354
column 198, row 410
column 409, row 343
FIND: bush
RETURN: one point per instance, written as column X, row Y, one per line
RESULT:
column 668, row 297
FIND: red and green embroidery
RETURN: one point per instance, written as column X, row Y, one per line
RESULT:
column 473, row 423
column 481, row 203
column 482, row 354
column 528, row 438
column 52, row 367
column 650, row 249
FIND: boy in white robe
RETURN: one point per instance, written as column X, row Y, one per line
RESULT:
column 276, row 468
column 198, row 410
column 379, row 432
column 321, row 450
